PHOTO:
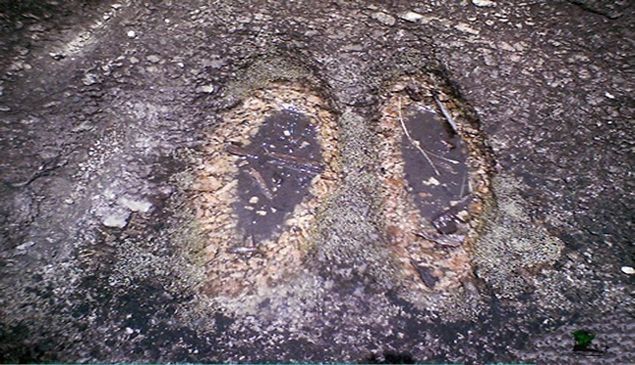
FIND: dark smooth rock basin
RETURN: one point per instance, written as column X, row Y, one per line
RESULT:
column 434, row 190
column 276, row 170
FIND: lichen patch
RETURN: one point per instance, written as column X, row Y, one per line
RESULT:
column 512, row 248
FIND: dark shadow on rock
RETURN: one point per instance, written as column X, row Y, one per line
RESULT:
column 390, row 357
column 609, row 9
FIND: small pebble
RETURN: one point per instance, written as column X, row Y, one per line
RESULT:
column 205, row 89
column 136, row 205
column 445, row 224
column 384, row 18
column 25, row 245
column 411, row 16
column 253, row 200
column 463, row 27
column 431, row 181
column 628, row 270
column 214, row 63
column 153, row 58
column 117, row 219
column 57, row 55
column 89, row 79
column 131, row 34
column 483, row 3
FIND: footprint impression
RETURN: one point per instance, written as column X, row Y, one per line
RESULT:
column 435, row 181
column 267, row 169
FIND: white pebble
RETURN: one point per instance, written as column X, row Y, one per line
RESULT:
column 411, row 16
column 628, row 270
column 431, row 181
column 136, row 205
column 205, row 89
column 131, row 34
column 116, row 219
column 483, row 3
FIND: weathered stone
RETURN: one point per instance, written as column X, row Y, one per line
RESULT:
column 205, row 89
column 89, row 79
column 483, row 3
column 465, row 28
column 153, row 58
column 411, row 16
column 383, row 18
column 136, row 205
column 116, row 219
column 426, row 275
column 25, row 245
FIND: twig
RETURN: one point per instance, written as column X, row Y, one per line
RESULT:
column 416, row 145
column 242, row 250
column 432, row 153
column 298, row 163
column 262, row 184
column 445, row 113
column 44, row 170
column 447, row 241
column 200, row 190
column 239, row 151
column 286, row 160
column 443, row 158
column 463, row 185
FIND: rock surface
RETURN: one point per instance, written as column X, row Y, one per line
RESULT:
column 84, row 279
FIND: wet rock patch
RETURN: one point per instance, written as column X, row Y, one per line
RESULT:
column 434, row 165
column 276, row 171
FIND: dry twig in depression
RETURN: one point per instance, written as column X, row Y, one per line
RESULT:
column 412, row 141
column 445, row 113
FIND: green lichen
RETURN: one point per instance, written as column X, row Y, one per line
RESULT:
column 263, row 73
column 512, row 245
